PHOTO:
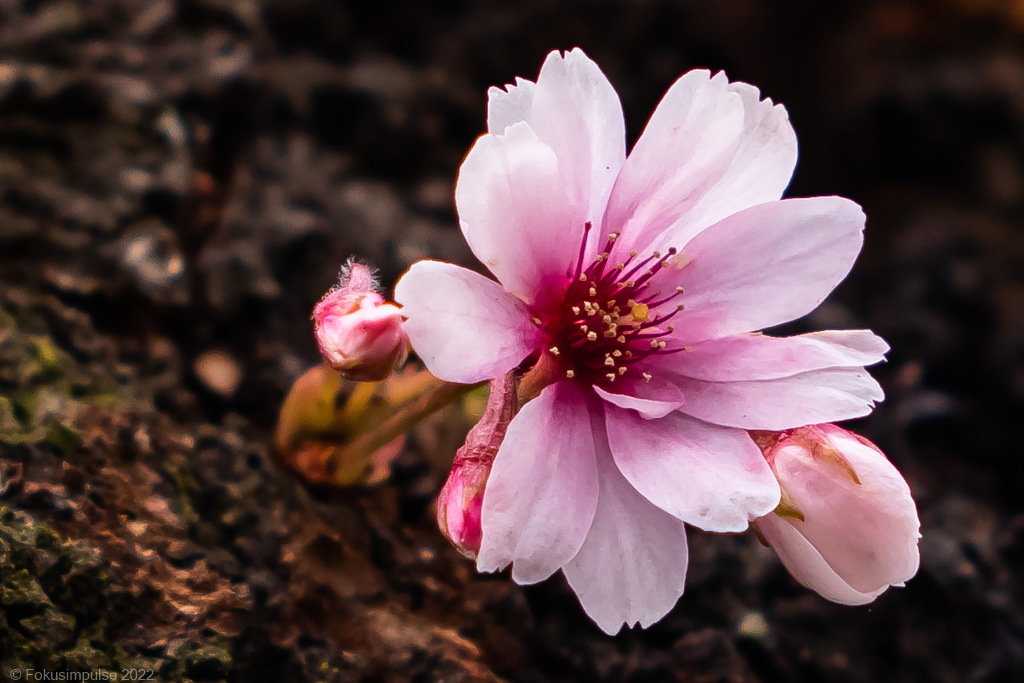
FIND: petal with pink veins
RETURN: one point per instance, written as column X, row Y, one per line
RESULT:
column 542, row 493
column 758, row 173
column 686, row 148
column 813, row 397
column 712, row 477
column 463, row 326
column 764, row 266
column 758, row 357
column 654, row 399
column 632, row 566
column 808, row 566
column 516, row 212
column 577, row 112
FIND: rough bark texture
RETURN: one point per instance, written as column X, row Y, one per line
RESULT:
column 180, row 181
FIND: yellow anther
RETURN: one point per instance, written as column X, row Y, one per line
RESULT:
column 632, row 252
column 628, row 283
column 554, row 350
column 592, row 336
column 621, row 339
column 647, row 376
column 602, row 256
column 616, row 353
column 607, row 319
column 610, row 376
column 570, row 374
column 656, row 254
column 575, row 310
column 609, row 361
column 688, row 349
column 620, row 266
column 680, row 307
column 622, row 371
column 609, row 333
column 654, row 343
column 680, row 289
column 640, row 312
column 593, row 291
column 583, row 277
column 629, row 354
column 661, row 345
column 583, row 328
column 613, row 236
column 535, row 321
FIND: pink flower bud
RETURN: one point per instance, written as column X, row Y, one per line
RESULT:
column 847, row 526
column 459, row 505
column 461, row 499
column 360, row 335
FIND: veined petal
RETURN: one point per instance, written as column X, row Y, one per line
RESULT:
column 463, row 326
column 686, row 148
column 577, row 112
column 712, row 477
column 516, row 212
column 758, row 173
column 542, row 493
column 765, row 266
column 509, row 106
column 632, row 566
column 759, row 357
column 654, row 399
column 829, row 395
column 807, row 565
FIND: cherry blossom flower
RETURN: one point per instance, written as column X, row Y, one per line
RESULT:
column 359, row 334
column 847, row 527
column 634, row 288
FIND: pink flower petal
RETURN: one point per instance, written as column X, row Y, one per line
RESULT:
column 812, row 397
column 758, row 357
column 686, row 148
column 712, row 477
column 765, row 266
column 758, row 173
column 516, row 214
column 577, row 112
column 877, row 544
column 651, row 400
column 509, row 106
column 807, row 565
column 463, row 326
column 632, row 566
column 542, row 493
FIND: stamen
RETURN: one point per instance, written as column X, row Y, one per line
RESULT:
column 646, row 375
column 554, row 350
column 592, row 336
column 570, row 374
column 535, row 321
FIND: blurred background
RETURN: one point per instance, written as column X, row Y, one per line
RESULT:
column 180, row 182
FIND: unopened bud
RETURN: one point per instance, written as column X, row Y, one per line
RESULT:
column 461, row 499
column 360, row 335
column 847, row 526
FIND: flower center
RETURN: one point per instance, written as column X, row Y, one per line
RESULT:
column 612, row 318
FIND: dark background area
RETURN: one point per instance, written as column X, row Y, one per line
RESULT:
column 179, row 183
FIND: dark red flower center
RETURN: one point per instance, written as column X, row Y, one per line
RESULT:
column 612, row 317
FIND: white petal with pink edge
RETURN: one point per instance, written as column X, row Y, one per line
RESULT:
column 812, row 397
column 807, row 565
column 516, row 211
column 686, row 148
column 764, row 266
column 759, row 357
column 712, row 477
column 463, row 326
column 632, row 566
column 542, row 492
